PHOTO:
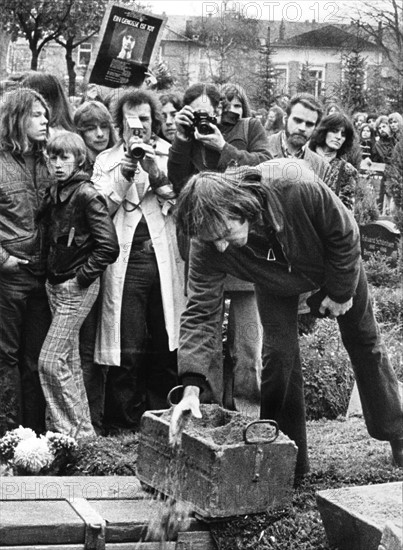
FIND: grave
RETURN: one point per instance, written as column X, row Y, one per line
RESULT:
column 86, row 513
column 380, row 236
column 358, row 518
column 373, row 172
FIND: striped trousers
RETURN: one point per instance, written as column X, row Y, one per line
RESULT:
column 60, row 372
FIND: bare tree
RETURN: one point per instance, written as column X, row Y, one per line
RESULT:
column 382, row 21
column 228, row 41
column 39, row 21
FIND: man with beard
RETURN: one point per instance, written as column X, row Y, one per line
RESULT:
column 303, row 114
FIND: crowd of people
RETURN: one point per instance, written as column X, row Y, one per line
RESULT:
column 129, row 225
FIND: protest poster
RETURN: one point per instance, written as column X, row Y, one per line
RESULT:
column 127, row 42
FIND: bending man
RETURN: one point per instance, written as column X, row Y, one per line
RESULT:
column 279, row 226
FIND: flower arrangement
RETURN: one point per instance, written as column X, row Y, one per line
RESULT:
column 26, row 453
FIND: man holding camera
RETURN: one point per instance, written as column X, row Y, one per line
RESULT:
column 207, row 139
column 143, row 295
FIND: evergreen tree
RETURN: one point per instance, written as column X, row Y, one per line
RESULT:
column 306, row 82
column 266, row 76
column 353, row 94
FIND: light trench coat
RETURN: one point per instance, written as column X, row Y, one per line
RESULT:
column 107, row 179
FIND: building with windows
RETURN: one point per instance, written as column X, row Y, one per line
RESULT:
column 315, row 51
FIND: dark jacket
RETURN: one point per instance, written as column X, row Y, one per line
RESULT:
column 246, row 144
column 320, row 242
column 21, row 195
column 384, row 149
column 315, row 161
column 81, row 234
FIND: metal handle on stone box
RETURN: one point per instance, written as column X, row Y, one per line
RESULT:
column 252, row 440
column 171, row 392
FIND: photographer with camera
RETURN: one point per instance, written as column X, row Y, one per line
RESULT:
column 209, row 137
column 143, row 294
column 215, row 130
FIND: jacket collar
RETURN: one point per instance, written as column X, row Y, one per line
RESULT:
column 64, row 191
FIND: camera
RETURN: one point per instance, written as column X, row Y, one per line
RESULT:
column 202, row 121
column 136, row 150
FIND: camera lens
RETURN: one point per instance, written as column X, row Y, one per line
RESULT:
column 137, row 152
column 204, row 128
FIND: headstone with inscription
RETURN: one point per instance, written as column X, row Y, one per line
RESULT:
column 380, row 236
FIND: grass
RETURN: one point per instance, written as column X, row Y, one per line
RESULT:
column 341, row 454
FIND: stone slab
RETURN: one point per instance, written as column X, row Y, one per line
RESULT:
column 64, row 513
column 355, row 517
column 392, row 538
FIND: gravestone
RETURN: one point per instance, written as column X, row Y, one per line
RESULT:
column 392, row 539
column 354, row 405
column 380, row 236
column 358, row 518
column 373, row 172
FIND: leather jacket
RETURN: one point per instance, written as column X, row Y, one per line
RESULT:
column 21, row 194
column 81, row 234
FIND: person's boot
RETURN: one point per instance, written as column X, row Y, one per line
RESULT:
column 397, row 452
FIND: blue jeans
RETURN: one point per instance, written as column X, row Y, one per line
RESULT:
column 24, row 322
column 282, row 382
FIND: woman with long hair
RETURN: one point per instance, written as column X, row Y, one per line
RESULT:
column 367, row 141
column 275, row 120
column 332, row 139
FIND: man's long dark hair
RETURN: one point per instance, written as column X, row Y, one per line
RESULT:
column 211, row 198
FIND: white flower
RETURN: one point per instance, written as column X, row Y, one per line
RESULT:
column 33, row 454
column 60, row 442
column 24, row 433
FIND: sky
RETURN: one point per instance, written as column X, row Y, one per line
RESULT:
column 301, row 10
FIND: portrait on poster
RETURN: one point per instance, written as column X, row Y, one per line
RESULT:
column 128, row 41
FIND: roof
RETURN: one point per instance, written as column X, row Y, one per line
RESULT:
column 329, row 36
column 284, row 33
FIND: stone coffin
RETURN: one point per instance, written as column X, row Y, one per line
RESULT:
column 356, row 518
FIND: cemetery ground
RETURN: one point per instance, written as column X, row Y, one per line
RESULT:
column 342, row 454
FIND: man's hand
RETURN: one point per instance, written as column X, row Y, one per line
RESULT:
column 335, row 309
column 212, row 141
column 189, row 404
column 184, row 121
column 128, row 166
column 149, row 162
column 12, row 264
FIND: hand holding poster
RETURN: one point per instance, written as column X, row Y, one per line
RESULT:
column 128, row 40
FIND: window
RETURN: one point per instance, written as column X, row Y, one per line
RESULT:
column 281, row 80
column 202, row 71
column 84, row 54
column 316, row 77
